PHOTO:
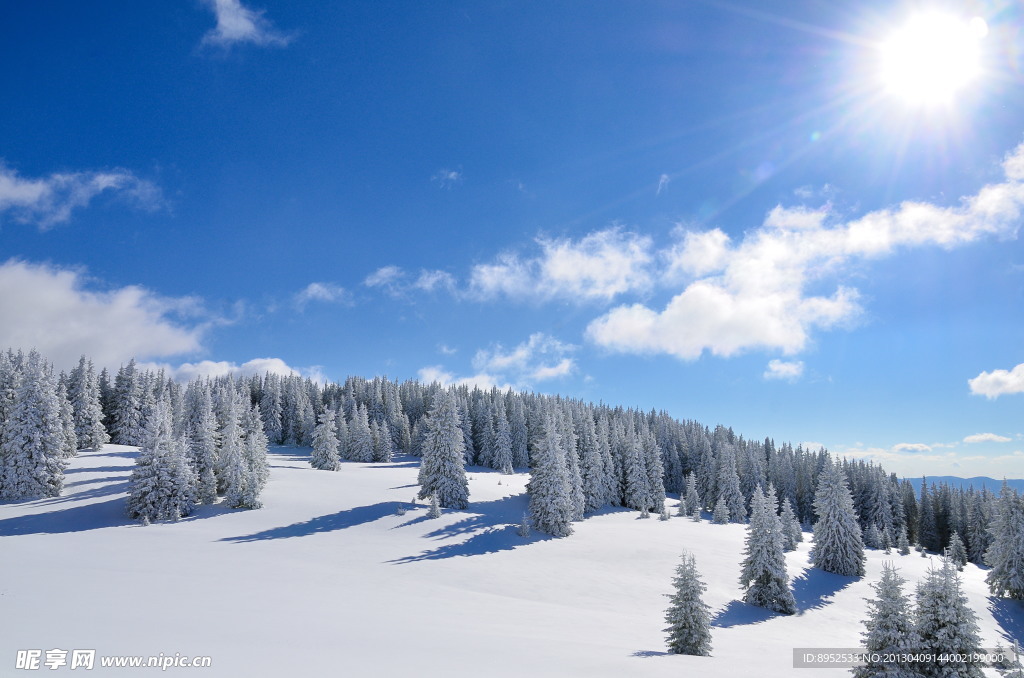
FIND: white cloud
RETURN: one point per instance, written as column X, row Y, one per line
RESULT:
column 51, row 309
column 237, row 23
column 429, row 281
column 986, row 438
column 213, row 369
column 50, row 200
column 320, row 291
column 447, row 178
column 438, row 373
column 395, row 281
column 385, row 276
column 662, row 183
column 600, row 266
column 998, row 382
column 911, row 447
column 447, row 350
column 754, row 294
column 780, row 369
column 538, row 358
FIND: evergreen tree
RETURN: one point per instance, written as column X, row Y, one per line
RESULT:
column 872, row 537
column 360, row 437
column 1006, row 554
column 202, row 445
column 255, row 470
column 550, row 501
column 903, row 543
column 128, row 416
column 729, row 486
column 502, row 459
column 325, row 444
column 837, row 546
column 720, row 516
column 441, row 470
column 67, row 422
column 688, row 617
column 33, row 436
column 946, row 624
column 956, row 551
column 764, row 564
column 889, row 630
column 435, row 508
column 691, row 502
column 792, row 533
column 84, row 394
column 162, row 485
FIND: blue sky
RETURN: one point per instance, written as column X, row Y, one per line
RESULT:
column 712, row 208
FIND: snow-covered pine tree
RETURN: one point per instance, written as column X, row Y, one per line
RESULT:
column 889, row 630
column 32, row 438
column 837, row 546
column 441, row 470
column 435, row 508
column 946, row 624
column 128, row 418
column 903, row 543
column 688, row 617
column 792, row 533
column 763, row 572
column 360, row 438
column 872, row 537
column 202, row 443
column 956, row 551
column 1006, row 553
column 84, row 394
column 691, row 501
column 550, row 502
column 502, row 459
column 67, row 422
column 720, row 516
column 729, row 486
column 255, row 467
column 162, row 484
column 325, row 444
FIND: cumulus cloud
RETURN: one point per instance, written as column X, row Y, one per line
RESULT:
column 397, row 282
column 212, row 369
column 998, row 382
column 320, row 291
column 237, row 23
column 47, row 201
column 599, row 266
column 53, row 310
column 780, row 369
column 437, row 373
column 539, row 358
column 754, row 294
column 986, row 438
column 911, row 447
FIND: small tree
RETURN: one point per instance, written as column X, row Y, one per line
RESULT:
column 889, row 630
column 720, row 516
column 764, row 566
column 688, row 617
column 792, row 533
column 902, row 543
column 947, row 625
column 956, row 551
column 325, row 443
column 435, row 508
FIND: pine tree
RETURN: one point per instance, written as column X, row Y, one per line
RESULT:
column 792, row 533
column 202, row 443
column 956, row 551
column 889, row 630
column 360, row 438
column 162, row 485
column 84, row 394
column 502, row 442
column 128, row 415
column 872, row 537
column 435, row 508
column 837, row 546
column 32, row 439
column 688, row 617
column 764, row 564
column 550, row 503
column 256, row 469
column 691, row 502
column 946, row 624
column 441, row 470
column 729, row 486
column 720, row 516
column 325, row 444
column 67, row 422
column 903, row 543
column 1006, row 553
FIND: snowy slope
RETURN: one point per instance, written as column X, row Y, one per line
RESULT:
column 328, row 579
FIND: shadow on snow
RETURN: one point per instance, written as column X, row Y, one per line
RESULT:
column 738, row 613
column 1009, row 614
column 92, row 516
column 814, row 586
column 326, row 523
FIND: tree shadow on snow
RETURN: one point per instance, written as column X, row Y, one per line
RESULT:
column 814, row 587
column 100, row 469
column 738, row 613
column 326, row 523
column 92, row 516
column 1009, row 614
column 650, row 653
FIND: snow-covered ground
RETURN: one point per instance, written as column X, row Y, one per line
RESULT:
column 328, row 579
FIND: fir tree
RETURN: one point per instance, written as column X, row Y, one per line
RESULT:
column 691, row 502
column 325, row 444
column 162, row 485
column 946, row 625
column 441, row 470
column 435, row 508
column 256, row 469
column 729, row 486
column 889, row 630
column 32, row 439
column 764, row 564
column 502, row 459
column 956, row 551
column 202, row 445
column 688, row 617
column 1006, row 553
column 792, row 533
column 903, row 543
column 837, row 546
column 84, row 394
column 550, row 502
column 128, row 416
column 720, row 516
column 360, row 438
column 872, row 537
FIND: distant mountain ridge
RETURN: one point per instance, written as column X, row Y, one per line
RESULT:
column 978, row 482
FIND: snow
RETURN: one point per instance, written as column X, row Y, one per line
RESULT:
column 328, row 579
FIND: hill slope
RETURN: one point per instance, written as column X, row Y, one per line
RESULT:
column 329, row 580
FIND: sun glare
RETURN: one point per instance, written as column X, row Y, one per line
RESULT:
column 932, row 58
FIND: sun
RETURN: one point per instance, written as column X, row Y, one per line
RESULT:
column 932, row 58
